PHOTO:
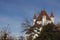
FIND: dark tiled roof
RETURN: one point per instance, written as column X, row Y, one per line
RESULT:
column 43, row 13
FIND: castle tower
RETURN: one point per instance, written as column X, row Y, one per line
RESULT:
column 52, row 17
column 44, row 15
column 34, row 19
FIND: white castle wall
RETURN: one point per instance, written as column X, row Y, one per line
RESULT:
column 52, row 19
column 39, row 22
column 34, row 21
column 43, row 20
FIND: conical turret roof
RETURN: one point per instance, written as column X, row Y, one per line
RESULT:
column 51, row 14
column 35, row 16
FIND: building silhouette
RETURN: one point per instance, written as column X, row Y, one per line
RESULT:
column 38, row 23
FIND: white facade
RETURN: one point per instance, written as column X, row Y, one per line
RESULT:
column 34, row 20
column 52, row 19
column 39, row 22
column 45, row 21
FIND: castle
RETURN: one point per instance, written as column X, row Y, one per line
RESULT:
column 39, row 21
column 43, row 18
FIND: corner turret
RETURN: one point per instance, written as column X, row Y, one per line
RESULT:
column 34, row 19
column 52, row 17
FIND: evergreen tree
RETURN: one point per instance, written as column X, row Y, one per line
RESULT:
column 47, row 33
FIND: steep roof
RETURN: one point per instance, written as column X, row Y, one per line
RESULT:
column 43, row 13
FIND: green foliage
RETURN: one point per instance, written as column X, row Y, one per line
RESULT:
column 47, row 33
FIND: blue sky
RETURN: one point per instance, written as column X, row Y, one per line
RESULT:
column 12, row 12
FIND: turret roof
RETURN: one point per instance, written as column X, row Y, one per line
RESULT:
column 51, row 14
column 34, row 16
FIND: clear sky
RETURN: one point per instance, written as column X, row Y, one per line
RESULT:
column 12, row 12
